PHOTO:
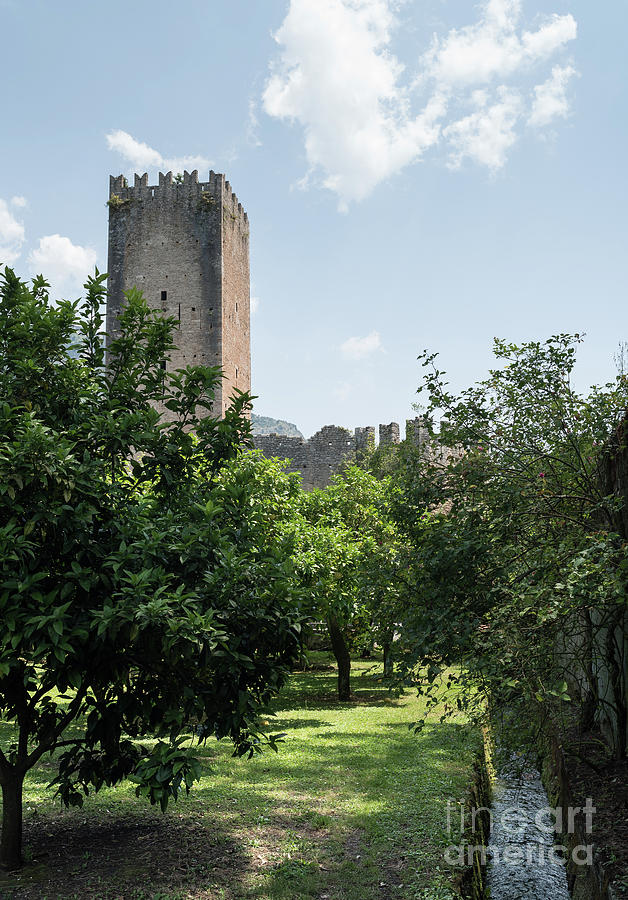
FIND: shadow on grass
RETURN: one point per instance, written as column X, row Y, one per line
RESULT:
column 334, row 812
column 329, row 703
column 317, row 690
column 130, row 856
column 351, row 763
column 201, row 847
column 290, row 724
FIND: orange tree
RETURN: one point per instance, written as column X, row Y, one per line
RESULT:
column 138, row 595
column 348, row 557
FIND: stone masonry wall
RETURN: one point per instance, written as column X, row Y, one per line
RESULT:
column 186, row 246
column 236, row 297
column 325, row 453
column 317, row 459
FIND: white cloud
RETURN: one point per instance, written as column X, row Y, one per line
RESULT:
column 486, row 135
column 11, row 235
column 137, row 153
column 252, row 126
column 365, row 116
column 492, row 48
column 19, row 202
column 337, row 77
column 141, row 156
column 360, row 347
column 550, row 100
column 556, row 33
column 254, row 305
column 64, row 264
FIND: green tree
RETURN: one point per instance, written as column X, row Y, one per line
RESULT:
column 138, row 595
column 520, row 537
column 348, row 555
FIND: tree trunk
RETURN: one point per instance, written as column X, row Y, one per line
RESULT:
column 615, row 662
column 387, row 647
column 341, row 652
column 11, row 838
column 590, row 697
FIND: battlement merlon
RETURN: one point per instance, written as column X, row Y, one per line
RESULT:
column 364, row 438
column 217, row 188
column 388, row 434
column 418, row 431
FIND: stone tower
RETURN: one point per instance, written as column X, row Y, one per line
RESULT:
column 186, row 246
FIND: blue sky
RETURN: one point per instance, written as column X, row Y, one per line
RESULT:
column 426, row 173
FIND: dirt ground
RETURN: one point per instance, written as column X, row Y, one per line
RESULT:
column 605, row 780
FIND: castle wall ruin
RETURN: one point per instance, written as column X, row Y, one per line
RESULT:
column 323, row 455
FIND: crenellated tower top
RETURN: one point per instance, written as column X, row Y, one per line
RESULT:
column 171, row 188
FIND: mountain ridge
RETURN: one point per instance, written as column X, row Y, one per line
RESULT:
column 267, row 425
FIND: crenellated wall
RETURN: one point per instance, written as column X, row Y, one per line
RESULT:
column 325, row 453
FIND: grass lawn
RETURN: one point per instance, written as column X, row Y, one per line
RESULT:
column 353, row 806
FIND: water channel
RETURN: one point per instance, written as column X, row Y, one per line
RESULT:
column 525, row 862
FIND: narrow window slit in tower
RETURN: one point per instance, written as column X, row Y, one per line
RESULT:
column 164, row 296
column 179, row 312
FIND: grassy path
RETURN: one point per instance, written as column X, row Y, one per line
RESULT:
column 351, row 808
